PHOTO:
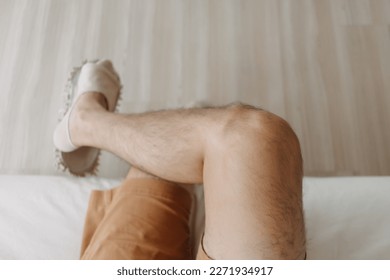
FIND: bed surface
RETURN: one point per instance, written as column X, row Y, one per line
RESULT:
column 41, row 217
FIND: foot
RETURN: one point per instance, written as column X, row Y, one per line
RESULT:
column 87, row 107
column 95, row 88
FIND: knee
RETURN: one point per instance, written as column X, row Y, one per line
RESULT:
column 251, row 126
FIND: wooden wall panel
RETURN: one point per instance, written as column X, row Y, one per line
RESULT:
column 324, row 65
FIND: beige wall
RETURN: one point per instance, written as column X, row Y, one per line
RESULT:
column 324, row 65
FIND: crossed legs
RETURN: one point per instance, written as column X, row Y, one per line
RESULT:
column 249, row 161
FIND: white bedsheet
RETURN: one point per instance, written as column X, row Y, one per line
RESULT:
column 348, row 218
column 42, row 217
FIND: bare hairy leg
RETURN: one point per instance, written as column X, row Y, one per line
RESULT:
column 249, row 161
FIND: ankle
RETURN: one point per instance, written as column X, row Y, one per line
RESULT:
column 92, row 101
column 89, row 107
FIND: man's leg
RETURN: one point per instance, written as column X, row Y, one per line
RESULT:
column 249, row 161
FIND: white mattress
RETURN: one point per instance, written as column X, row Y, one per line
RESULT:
column 41, row 217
